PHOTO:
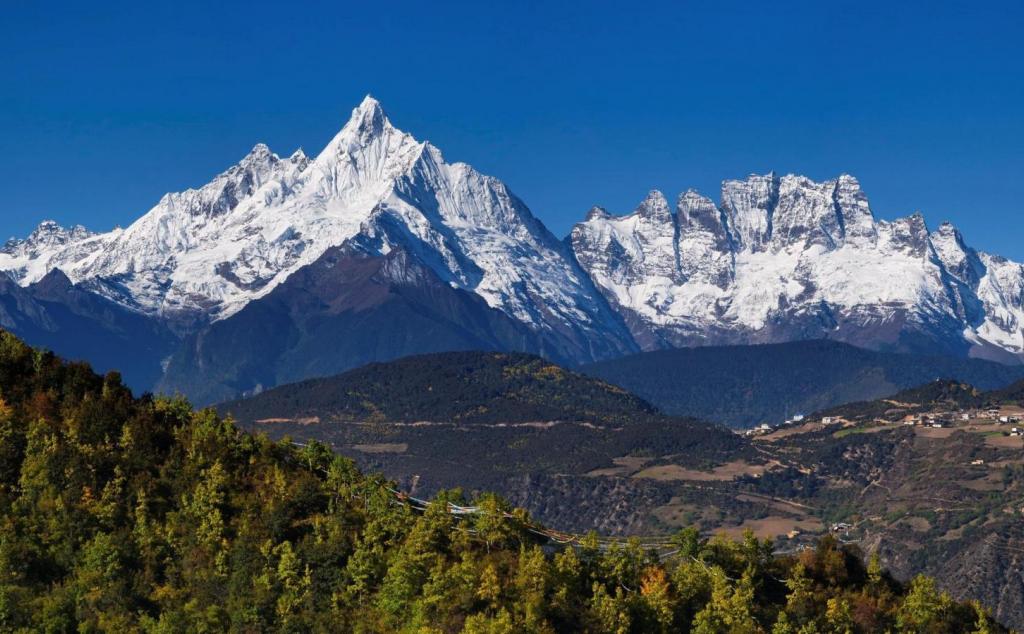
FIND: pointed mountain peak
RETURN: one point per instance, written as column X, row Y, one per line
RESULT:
column 597, row 213
column 260, row 149
column 370, row 102
column 47, row 226
column 55, row 280
column 259, row 155
column 848, row 180
column 654, row 206
column 948, row 233
column 367, row 125
column 762, row 183
column 691, row 196
column 848, row 188
column 368, row 118
column 692, row 201
column 48, row 234
column 51, row 230
column 299, row 160
column 914, row 222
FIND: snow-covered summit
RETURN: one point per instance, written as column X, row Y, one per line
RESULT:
column 776, row 258
column 49, row 246
column 787, row 257
column 212, row 250
column 48, row 234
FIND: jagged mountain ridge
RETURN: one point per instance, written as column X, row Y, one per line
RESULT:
column 777, row 259
column 211, row 251
column 787, row 258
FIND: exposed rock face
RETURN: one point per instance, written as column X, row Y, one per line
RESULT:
column 208, row 252
column 784, row 258
column 200, row 257
column 347, row 309
column 779, row 258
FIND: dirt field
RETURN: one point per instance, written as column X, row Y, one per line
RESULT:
column 311, row 420
column 789, row 431
column 1005, row 442
column 724, row 472
column 918, row 524
column 384, row 447
column 677, row 514
column 993, row 482
column 932, row 432
column 782, row 506
column 624, row 466
column 773, row 526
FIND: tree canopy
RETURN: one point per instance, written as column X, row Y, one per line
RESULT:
column 124, row 514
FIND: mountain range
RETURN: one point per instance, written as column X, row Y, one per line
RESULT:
column 580, row 454
column 282, row 269
column 741, row 386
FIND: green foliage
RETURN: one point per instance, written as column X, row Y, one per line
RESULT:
column 121, row 515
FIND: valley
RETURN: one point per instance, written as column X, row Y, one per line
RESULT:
column 904, row 476
column 596, row 381
column 512, row 318
column 186, row 522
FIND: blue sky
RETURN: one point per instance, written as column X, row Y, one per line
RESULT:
column 105, row 108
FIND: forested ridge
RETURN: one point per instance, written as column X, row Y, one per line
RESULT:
column 463, row 387
column 122, row 514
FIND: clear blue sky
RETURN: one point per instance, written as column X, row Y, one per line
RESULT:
column 103, row 108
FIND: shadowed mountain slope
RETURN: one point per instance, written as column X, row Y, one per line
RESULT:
column 743, row 385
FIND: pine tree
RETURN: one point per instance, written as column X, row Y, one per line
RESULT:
column 923, row 607
column 730, row 609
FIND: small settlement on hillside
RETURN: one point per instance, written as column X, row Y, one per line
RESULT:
column 1005, row 421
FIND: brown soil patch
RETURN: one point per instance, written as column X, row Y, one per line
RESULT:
column 1005, row 442
column 984, row 484
column 783, row 506
column 309, row 420
column 899, row 403
column 918, row 524
column 999, row 464
column 953, row 534
column 383, row 447
column 677, row 513
column 932, row 432
column 773, row 526
column 723, row 472
column 624, row 466
column 806, row 428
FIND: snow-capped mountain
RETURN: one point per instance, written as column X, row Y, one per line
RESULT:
column 284, row 268
column 213, row 250
column 784, row 258
column 49, row 247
